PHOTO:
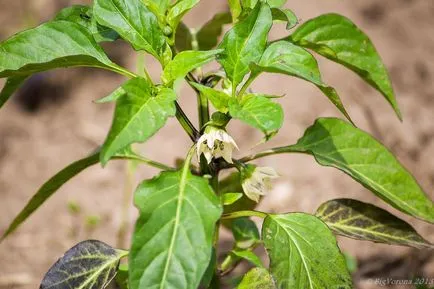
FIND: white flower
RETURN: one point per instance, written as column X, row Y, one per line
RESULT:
column 256, row 181
column 215, row 143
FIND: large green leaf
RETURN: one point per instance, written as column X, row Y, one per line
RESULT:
column 337, row 38
column 51, row 45
column 139, row 114
column 208, row 35
column 82, row 15
column 134, row 23
column 219, row 99
column 177, row 11
column 11, row 85
column 259, row 112
column 88, row 265
column 287, row 58
column 185, row 62
column 257, row 278
column 245, row 43
column 303, row 253
column 172, row 242
column 336, row 143
column 364, row 221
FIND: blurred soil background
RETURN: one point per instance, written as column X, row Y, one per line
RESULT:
column 53, row 121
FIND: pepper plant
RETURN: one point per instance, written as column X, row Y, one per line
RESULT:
column 176, row 237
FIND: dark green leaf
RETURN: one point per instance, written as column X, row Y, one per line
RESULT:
column 82, row 15
column 259, row 112
column 285, row 15
column 303, row 253
column 257, row 278
column 245, row 233
column 337, row 38
column 185, row 62
column 230, row 198
column 122, row 277
column 177, row 11
column 334, row 142
column 183, row 38
column 88, row 265
column 11, row 85
column 138, row 115
column 49, row 188
column 207, row 37
column 287, row 58
column 219, row 99
column 364, row 221
column 134, row 23
column 210, row 270
column 51, row 45
column 172, row 242
column 245, row 43
column 248, row 256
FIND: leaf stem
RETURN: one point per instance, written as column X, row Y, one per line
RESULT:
column 189, row 128
column 146, row 161
column 246, row 85
column 241, row 214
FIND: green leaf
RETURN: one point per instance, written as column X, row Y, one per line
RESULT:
column 236, row 9
column 208, row 35
column 158, row 7
column 177, row 11
column 245, row 43
column 51, row 45
column 362, row 221
column 248, row 256
column 134, row 23
column 122, row 276
column 257, row 278
column 183, row 38
column 172, row 242
column 336, row 143
column 138, row 115
column 245, row 233
column 272, row 3
column 303, row 253
column 219, row 99
column 230, row 198
column 11, row 85
column 285, row 15
column 82, row 15
column 287, row 58
column 49, row 188
column 88, row 265
column 259, row 112
column 338, row 39
column 185, row 62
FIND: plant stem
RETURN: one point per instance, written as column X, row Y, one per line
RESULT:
column 186, row 124
column 127, row 196
column 241, row 214
column 246, row 85
column 202, row 102
column 146, row 161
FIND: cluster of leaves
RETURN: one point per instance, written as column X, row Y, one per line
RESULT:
column 175, row 241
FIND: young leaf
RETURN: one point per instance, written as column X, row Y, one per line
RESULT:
column 88, row 265
column 285, row 15
column 208, row 35
column 172, row 242
column 134, row 23
column 362, row 221
column 338, row 39
column 11, row 85
column 230, row 198
column 248, row 256
column 183, row 38
column 259, row 112
column 138, row 116
column 287, row 58
column 51, row 45
column 82, row 15
column 245, row 43
column 158, row 7
column 257, row 278
column 219, row 99
column 245, row 233
column 177, row 11
column 236, row 9
column 273, row 3
column 49, row 188
column 185, row 62
column 336, row 143
column 303, row 253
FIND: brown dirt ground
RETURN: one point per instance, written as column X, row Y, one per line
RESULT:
column 39, row 138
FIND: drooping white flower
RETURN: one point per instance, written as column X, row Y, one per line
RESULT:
column 215, row 143
column 256, row 181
